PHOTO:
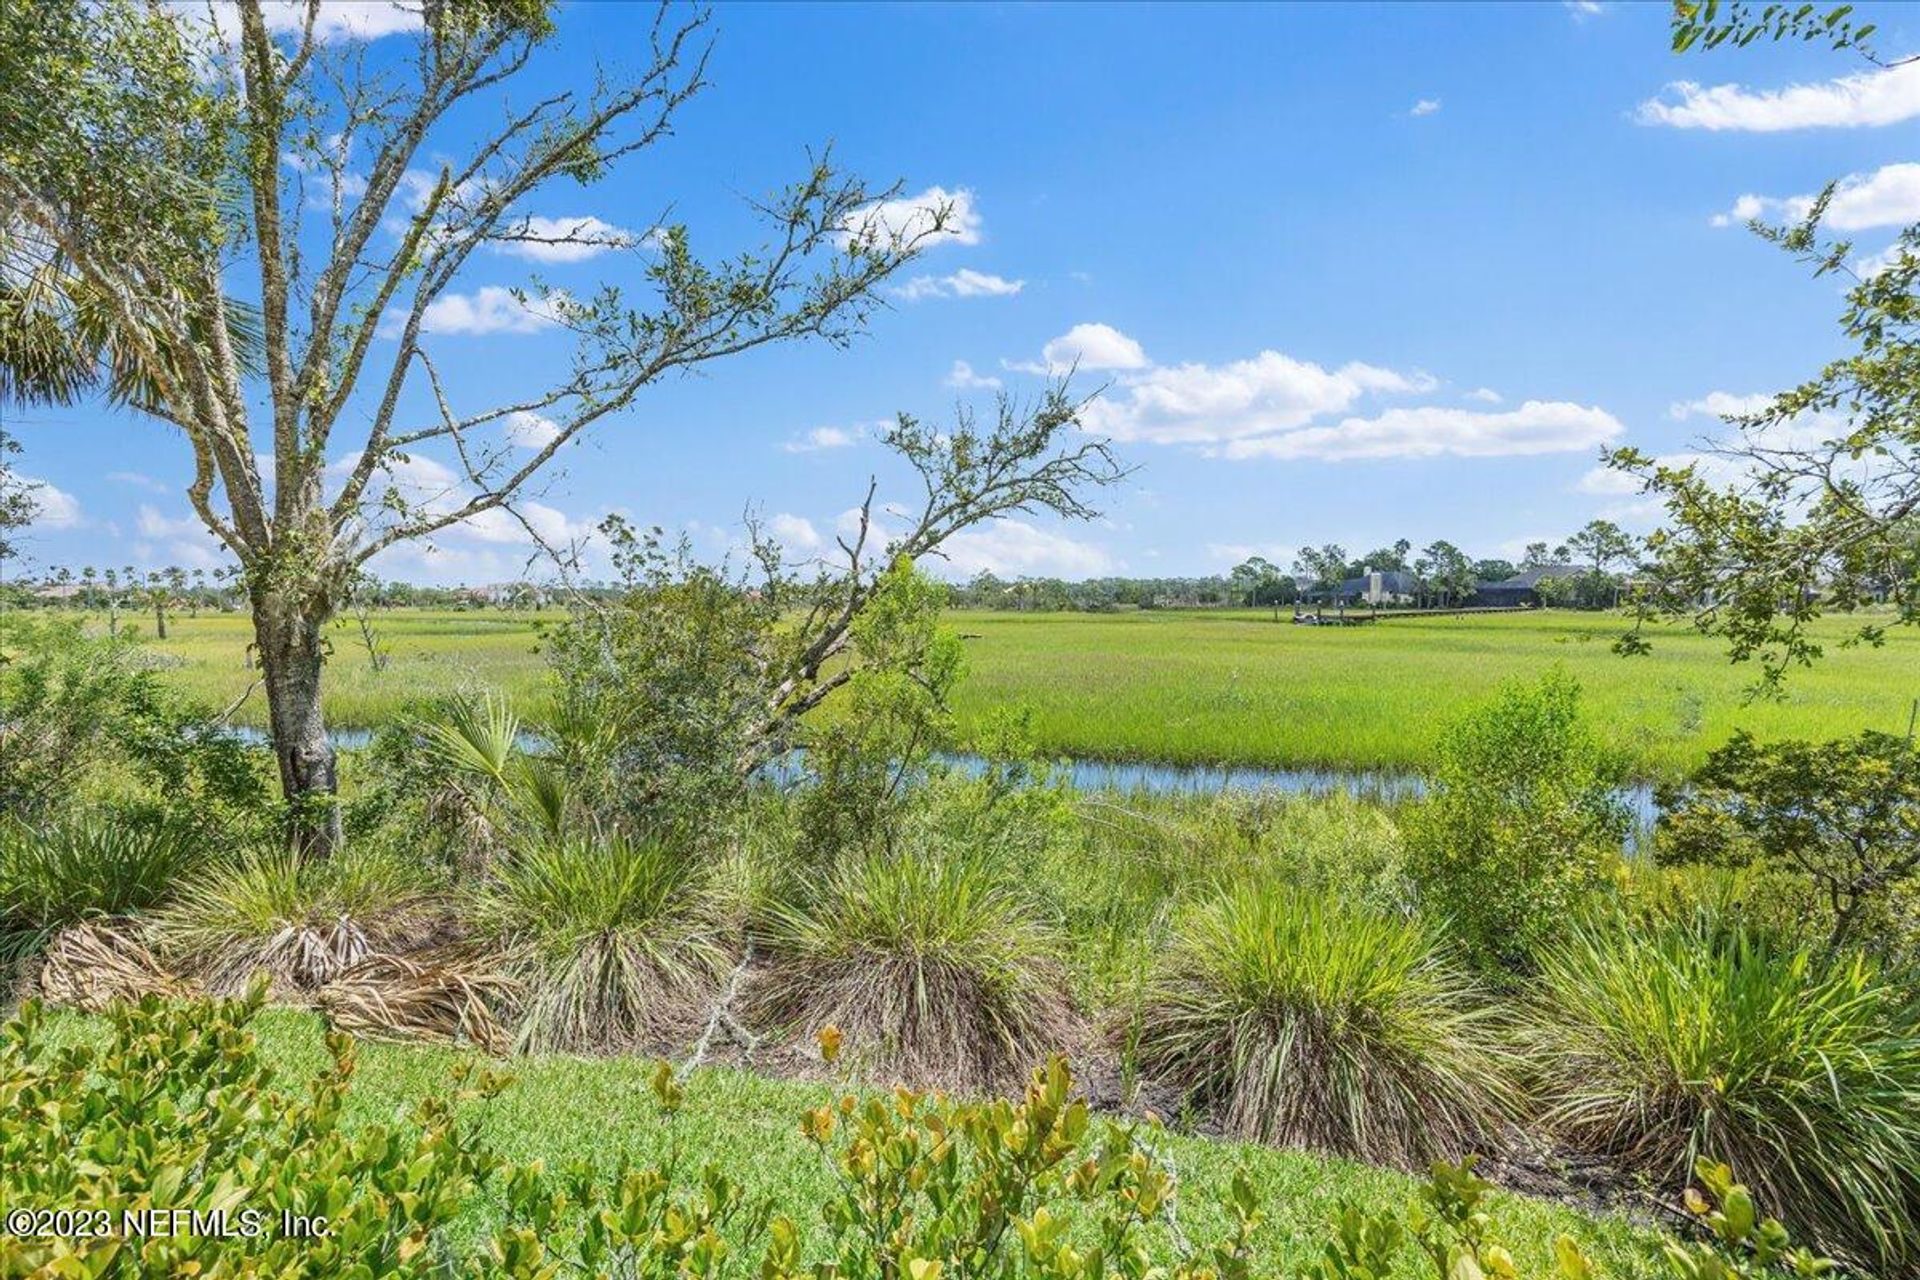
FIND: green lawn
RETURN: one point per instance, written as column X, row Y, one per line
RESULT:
column 1197, row 686
column 561, row 1109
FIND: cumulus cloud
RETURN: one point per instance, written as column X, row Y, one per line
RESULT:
column 1010, row 548
column 826, row 438
column 179, row 540
column 1429, row 431
column 530, row 430
column 1207, row 404
column 962, row 375
column 564, row 239
column 964, row 283
column 1864, row 98
column 898, row 222
column 1485, row 395
column 1887, row 197
column 53, row 507
column 795, row 533
column 1425, row 107
column 490, row 309
column 1085, row 346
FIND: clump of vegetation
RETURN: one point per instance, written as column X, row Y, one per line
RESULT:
column 1303, row 1021
column 1659, row 1045
column 614, row 941
column 81, row 867
column 935, row 964
column 302, row 920
column 1843, row 816
column 1520, row 821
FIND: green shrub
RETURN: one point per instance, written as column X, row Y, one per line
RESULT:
column 1301, row 1021
column 1658, row 1046
column 614, row 941
column 1520, row 821
column 84, row 867
column 302, row 921
column 935, row 965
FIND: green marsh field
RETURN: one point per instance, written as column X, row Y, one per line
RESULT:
column 1190, row 687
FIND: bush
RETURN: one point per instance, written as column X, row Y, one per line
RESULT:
column 83, row 867
column 301, row 921
column 1662, row 1045
column 1519, row 823
column 1302, row 1021
column 935, row 966
column 613, row 941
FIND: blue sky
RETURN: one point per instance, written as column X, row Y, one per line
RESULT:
column 1347, row 273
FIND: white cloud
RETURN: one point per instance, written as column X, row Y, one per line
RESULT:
column 826, row 438
column 962, row 375
column 530, row 430
column 1207, row 404
column 1581, row 10
column 1864, row 98
column 795, row 533
column 1011, row 548
column 1718, row 404
column 564, row 239
column 1085, row 346
column 338, row 19
column 1228, row 554
column 53, row 507
column 1874, row 263
column 1425, row 107
column 1429, row 431
column 964, row 283
column 1887, row 197
column 182, row 540
column 1608, row 482
column 490, row 309
column 897, row 222
column 1485, row 395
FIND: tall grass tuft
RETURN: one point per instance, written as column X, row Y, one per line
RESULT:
column 83, row 867
column 1300, row 1020
column 301, row 921
column 1660, row 1044
column 936, row 966
column 613, row 941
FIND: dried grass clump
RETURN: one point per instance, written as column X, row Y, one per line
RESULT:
column 90, row 966
column 303, row 922
column 444, row 997
column 938, row 970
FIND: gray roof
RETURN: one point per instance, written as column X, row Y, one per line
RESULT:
column 1529, row 579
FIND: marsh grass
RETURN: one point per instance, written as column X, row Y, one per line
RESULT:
column 302, row 921
column 614, row 942
column 1660, row 1043
column 1211, row 686
column 937, row 966
column 1305, row 1021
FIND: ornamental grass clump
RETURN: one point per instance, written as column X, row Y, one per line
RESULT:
column 84, row 867
column 1300, row 1020
column 936, row 966
column 302, row 921
column 615, row 942
column 1665, row 1044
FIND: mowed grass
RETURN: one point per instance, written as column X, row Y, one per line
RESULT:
column 563, row 1109
column 1194, row 687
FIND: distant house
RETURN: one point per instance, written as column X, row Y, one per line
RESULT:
column 60, row 591
column 1379, row 586
column 1523, row 588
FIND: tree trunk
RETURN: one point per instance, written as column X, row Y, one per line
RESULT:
column 160, row 621
column 288, row 634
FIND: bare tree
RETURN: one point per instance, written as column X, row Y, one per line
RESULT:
column 129, row 136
